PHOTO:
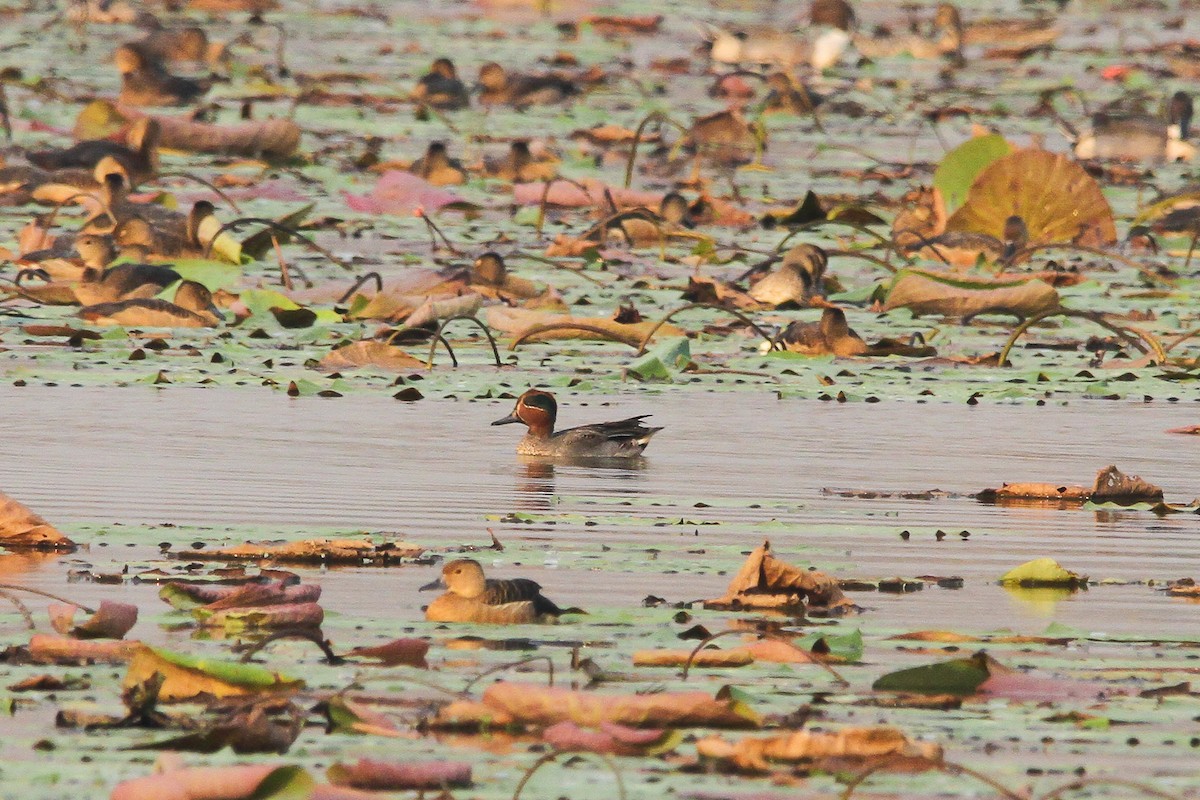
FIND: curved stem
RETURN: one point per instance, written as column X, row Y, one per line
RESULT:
column 642, row 347
column 864, row 257
column 653, row 116
column 1128, row 334
column 1025, row 253
column 548, row 757
column 313, row 636
column 182, row 174
column 21, row 608
column 270, row 223
column 358, row 285
column 566, row 326
column 437, row 337
column 815, row 659
column 482, row 327
column 13, row 587
column 504, row 667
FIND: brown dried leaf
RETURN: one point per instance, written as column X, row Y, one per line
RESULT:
column 46, row 649
column 872, row 747
column 764, row 578
column 111, row 620
column 928, row 292
column 392, row 776
column 406, row 652
column 1113, row 486
column 371, row 354
column 705, row 658
column 329, row 551
column 609, row 738
column 540, row 705
column 1056, row 198
column 21, row 529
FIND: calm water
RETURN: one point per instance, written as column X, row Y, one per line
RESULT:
column 433, row 470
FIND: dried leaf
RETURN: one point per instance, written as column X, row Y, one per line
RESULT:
column 257, row 781
column 952, row 295
column 45, row 649
column 186, row 596
column 1051, row 193
column 540, row 705
column 237, row 620
column 308, row 551
column 704, row 658
column 403, row 194
column 21, row 529
column 398, row 652
column 611, row 739
column 371, row 354
column 111, row 620
column 392, row 776
column 871, row 747
column 580, row 194
column 765, row 581
column 186, row 677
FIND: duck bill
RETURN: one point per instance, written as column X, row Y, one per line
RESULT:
column 511, row 418
column 429, row 587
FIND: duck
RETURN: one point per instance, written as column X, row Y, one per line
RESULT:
column 146, row 82
column 726, row 138
column 186, row 44
column 832, row 335
column 520, row 165
column 138, row 159
column 798, row 280
column 193, row 307
column 441, row 88
column 538, row 410
column 437, row 167
column 789, row 96
column 472, row 597
column 946, row 39
column 499, row 87
column 756, row 46
column 125, row 281
column 1141, row 137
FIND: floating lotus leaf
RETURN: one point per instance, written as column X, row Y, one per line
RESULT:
column 962, row 165
column 1058, row 201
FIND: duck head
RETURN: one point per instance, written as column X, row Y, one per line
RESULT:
column 808, row 262
column 489, row 269
column 463, row 577
column 536, row 409
column 493, row 77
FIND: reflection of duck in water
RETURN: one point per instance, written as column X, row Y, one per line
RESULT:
column 471, row 597
column 538, row 411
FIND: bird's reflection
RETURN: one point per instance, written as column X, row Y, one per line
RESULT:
column 536, row 477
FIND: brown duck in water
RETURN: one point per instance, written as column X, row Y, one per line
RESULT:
column 726, row 139
column 498, row 87
column 146, row 82
column 193, row 308
column 138, row 159
column 441, row 87
column 437, row 167
column 126, row 281
column 471, row 597
column 186, row 44
column 538, row 411
column 520, row 165
column 25, row 183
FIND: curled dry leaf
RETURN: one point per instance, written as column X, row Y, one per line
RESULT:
column 345, row 714
column 1113, row 486
column 543, row 706
column 519, row 321
column 371, row 354
column 610, row 739
column 1051, row 193
column 764, row 581
column 218, row 783
column 21, row 529
column 111, row 620
column 236, row 620
column 186, row 677
column 398, row 652
column 928, row 292
column 869, row 747
column 186, row 596
column 46, row 649
column 393, row 776
column 310, row 551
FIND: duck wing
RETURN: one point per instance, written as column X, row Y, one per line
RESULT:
column 518, row 590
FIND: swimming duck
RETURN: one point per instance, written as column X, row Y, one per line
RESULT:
column 789, row 96
column 1141, row 137
column 146, row 82
column 138, row 159
column 471, row 597
column 625, row 438
column 437, row 167
column 798, row 279
column 441, row 87
column 193, row 308
column 945, row 39
column 498, row 87
column 520, row 165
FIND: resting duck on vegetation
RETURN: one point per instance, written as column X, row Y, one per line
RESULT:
column 138, row 159
column 945, row 39
column 145, row 81
column 521, row 165
column 472, row 597
column 437, row 167
column 441, row 87
column 499, row 87
column 799, row 278
column 192, row 308
column 1141, row 137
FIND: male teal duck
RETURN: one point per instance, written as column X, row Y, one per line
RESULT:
column 471, row 597
column 537, row 410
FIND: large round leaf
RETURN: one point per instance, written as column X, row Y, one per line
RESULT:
column 962, row 165
column 1058, row 201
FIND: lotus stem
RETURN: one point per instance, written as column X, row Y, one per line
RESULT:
column 642, row 347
